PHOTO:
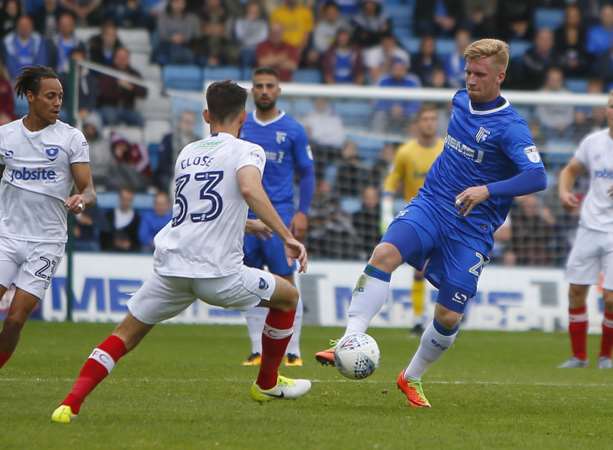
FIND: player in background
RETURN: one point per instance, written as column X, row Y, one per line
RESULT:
column 489, row 157
column 42, row 158
column 287, row 152
column 411, row 164
column 199, row 254
column 592, row 252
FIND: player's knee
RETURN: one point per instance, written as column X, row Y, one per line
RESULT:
column 577, row 294
column 446, row 317
column 608, row 300
column 14, row 322
column 285, row 297
column 385, row 257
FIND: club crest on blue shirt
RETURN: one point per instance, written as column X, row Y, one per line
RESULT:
column 52, row 153
column 482, row 135
column 281, row 136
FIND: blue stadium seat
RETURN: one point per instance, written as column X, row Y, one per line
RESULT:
column 410, row 44
column 548, row 18
column 354, row 113
column 518, row 47
column 222, row 73
column 401, row 15
column 109, row 200
column 576, row 84
column 187, row 78
column 154, row 155
column 307, row 76
column 445, row 47
column 350, row 204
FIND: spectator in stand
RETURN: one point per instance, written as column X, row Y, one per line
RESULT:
column 123, row 224
column 570, row 43
column 378, row 60
column 250, row 31
column 439, row 78
column 129, row 165
column 153, row 221
column 604, row 68
column 88, row 86
column 392, row 116
column 383, row 164
column 24, row 47
column 127, row 13
column 481, row 18
column 176, row 29
column 367, row 221
column 65, row 42
column 46, row 18
column 425, row 61
column 215, row 47
column 454, row 65
column 296, row 21
column 7, row 102
column 528, row 72
column 102, row 46
column 100, row 156
column 11, row 11
column 531, row 230
column 326, row 134
column 278, row 55
column 170, row 147
column 370, row 25
column 555, row 120
column 87, row 228
column 87, row 12
column 437, row 17
column 342, row 63
column 352, row 175
column 515, row 19
column 600, row 37
column 590, row 119
column 327, row 27
column 117, row 97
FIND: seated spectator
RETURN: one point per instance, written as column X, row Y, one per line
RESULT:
column 531, row 228
column 87, row 12
column 392, row 116
column 480, row 18
column 326, row 30
column 383, row 164
column 117, row 97
column 437, row 17
column 153, row 221
column 65, row 42
column 171, row 146
column 296, row 21
column 515, row 19
column 370, row 25
column 123, row 225
column 555, row 120
column 528, row 72
column 589, row 119
column 87, row 228
column 130, row 164
column 342, row 63
column 425, row 61
column 367, row 221
column 378, row 60
column 102, row 46
column 600, row 37
column 46, row 18
column 250, row 31
column 454, row 65
column 24, row 47
column 352, row 174
column 570, row 43
column 10, row 13
column 100, row 156
column 215, row 46
column 88, row 86
column 278, row 55
column 176, row 28
column 7, row 102
column 439, row 78
column 127, row 13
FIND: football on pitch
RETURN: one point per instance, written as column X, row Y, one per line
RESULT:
column 356, row 356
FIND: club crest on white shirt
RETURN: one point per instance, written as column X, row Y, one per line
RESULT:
column 281, row 136
column 52, row 152
column 482, row 135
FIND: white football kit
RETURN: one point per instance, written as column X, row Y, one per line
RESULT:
column 37, row 179
column 592, row 252
column 199, row 254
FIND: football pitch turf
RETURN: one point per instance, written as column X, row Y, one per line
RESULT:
column 184, row 388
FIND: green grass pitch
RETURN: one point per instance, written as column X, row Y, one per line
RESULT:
column 183, row 388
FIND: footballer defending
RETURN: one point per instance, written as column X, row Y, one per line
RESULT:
column 199, row 254
column 42, row 157
column 447, row 229
column 592, row 252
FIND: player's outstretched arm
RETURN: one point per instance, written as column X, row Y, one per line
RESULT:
column 566, row 181
column 250, row 183
column 86, row 194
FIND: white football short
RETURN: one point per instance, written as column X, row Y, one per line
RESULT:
column 161, row 297
column 592, row 254
column 29, row 265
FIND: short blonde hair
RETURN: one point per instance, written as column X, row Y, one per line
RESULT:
column 484, row 48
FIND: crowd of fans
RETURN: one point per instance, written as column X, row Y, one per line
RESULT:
column 347, row 41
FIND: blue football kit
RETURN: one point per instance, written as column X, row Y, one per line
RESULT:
column 486, row 144
column 287, row 152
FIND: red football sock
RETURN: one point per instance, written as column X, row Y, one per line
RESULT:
column 96, row 368
column 275, row 337
column 606, row 341
column 577, row 329
column 4, row 357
